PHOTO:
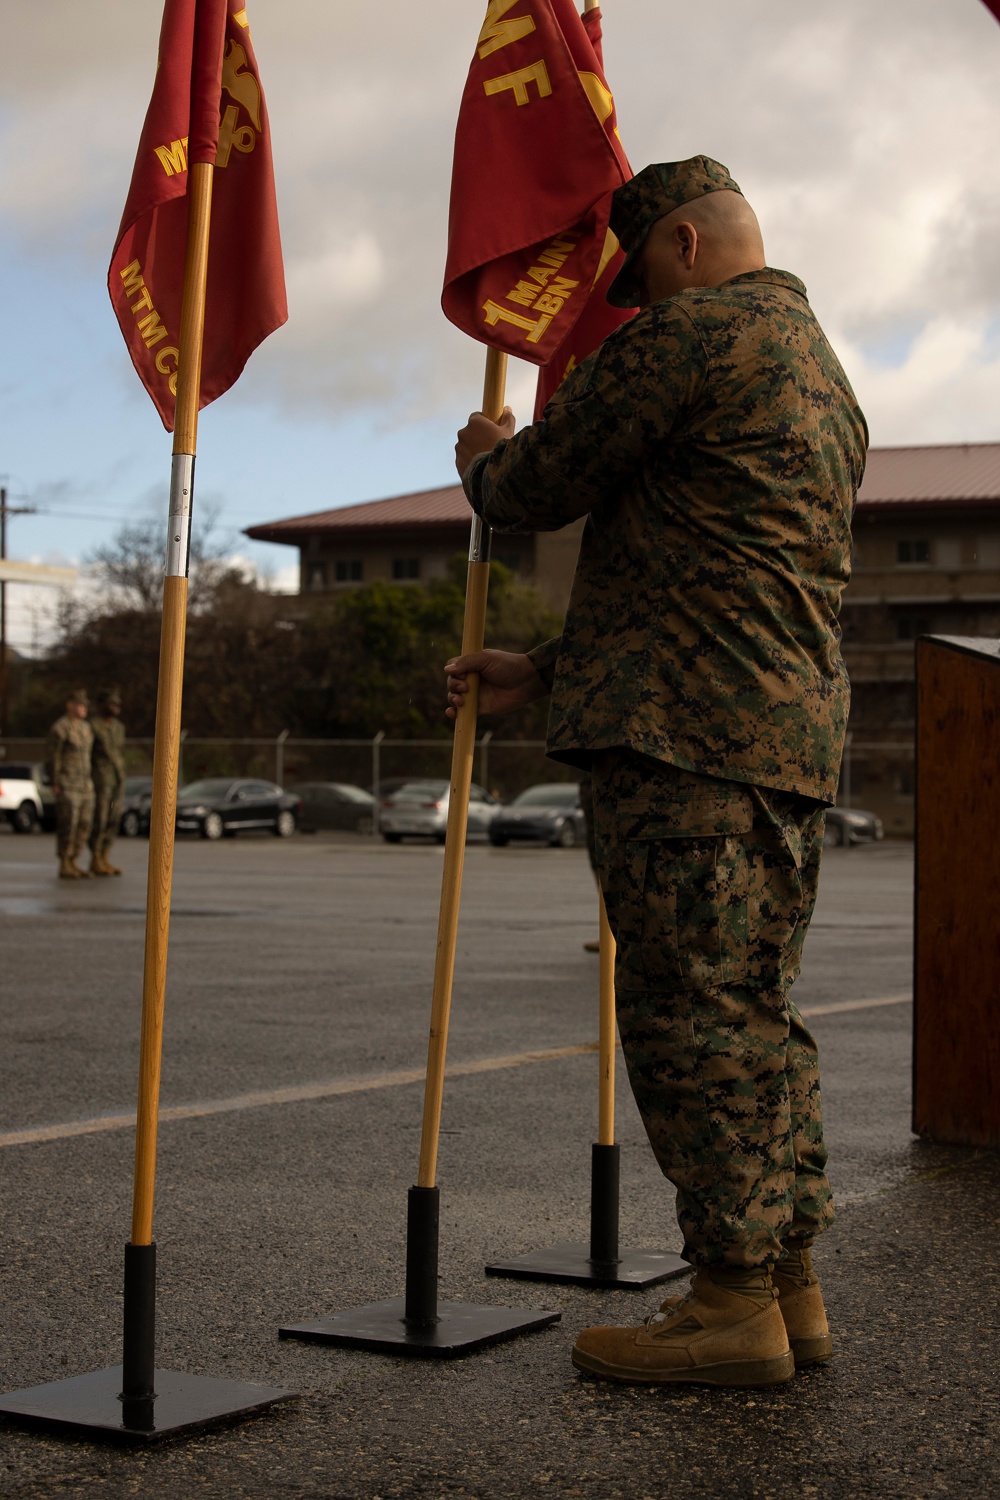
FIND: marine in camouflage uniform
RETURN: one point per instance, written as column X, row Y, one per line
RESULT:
column 69, row 751
column 108, row 764
column 716, row 447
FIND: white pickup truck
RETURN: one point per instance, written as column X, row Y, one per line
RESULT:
column 26, row 798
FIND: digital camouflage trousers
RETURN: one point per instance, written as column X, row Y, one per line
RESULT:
column 709, row 887
column 107, row 811
column 74, row 814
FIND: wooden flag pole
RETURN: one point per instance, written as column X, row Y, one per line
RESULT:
column 418, row 1323
column 139, row 1354
column 463, row 751
column 168, row 698
column 606, row 1045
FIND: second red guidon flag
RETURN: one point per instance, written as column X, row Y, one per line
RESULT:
column 246, row 286
column 537, row 157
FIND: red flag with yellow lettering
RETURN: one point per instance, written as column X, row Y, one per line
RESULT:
column 537, row 157
column 207, row 105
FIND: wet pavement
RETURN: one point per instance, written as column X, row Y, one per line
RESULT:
column 296, row 1030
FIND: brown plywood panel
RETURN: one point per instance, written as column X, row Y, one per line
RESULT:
column 956, row 1058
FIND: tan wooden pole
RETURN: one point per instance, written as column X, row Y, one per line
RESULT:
column 607, row 1042
column 168, row 698
column 463, row 751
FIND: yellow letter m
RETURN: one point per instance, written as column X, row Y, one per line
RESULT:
column 173, row 158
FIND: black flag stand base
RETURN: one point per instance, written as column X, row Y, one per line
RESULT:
column 418, row 1324
column 599, row 1264
column 134, row 1402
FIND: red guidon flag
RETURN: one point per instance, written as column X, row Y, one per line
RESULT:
column 207, row 105
column 994, row 6
column 598, row 318
column 537, row 157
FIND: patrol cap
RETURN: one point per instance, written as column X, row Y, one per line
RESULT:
column 110, row 696
column 79, row 695
column 652, row 194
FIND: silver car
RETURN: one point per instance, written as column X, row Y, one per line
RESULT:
column 419, row 809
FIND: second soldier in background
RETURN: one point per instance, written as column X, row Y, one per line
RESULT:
column 108, row 771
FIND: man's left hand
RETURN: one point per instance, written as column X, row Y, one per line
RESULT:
column 480, row 435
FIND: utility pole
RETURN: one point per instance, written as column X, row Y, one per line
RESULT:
column 5, row 511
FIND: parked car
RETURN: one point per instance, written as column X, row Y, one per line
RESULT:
column 849, row 825
column 547, row 814
column 227, row 805
column 419, row 809
column 335, row 804
column 137, row 798
column 26, row 798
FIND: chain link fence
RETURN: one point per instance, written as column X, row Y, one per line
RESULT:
column 504, row 767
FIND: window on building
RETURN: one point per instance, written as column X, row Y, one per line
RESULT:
column 315, row 577
column 913, row 550
column 908, row 627
column 349, row 570
column 988, row 552
column 406, row 567
column 948, row 553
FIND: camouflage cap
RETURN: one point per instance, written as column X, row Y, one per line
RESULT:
column 650, row 195
column 111, row 696
column 78, row 695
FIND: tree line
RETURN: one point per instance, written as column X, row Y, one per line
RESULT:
column 338, row 665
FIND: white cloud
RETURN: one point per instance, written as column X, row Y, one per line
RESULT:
column 865, row 134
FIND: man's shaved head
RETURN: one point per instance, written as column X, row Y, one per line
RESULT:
column 721, row 219
column 704, row 242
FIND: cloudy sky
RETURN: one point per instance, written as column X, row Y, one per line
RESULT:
column 865, row 132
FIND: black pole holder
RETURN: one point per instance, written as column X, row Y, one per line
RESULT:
column 417, row 1324
column 134, row 1402
column 599, row 1264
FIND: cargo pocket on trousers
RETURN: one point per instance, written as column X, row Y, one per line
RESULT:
column 683, row 923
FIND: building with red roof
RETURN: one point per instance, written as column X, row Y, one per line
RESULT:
column 926, row 561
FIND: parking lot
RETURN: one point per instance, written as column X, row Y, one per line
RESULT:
column 297, row 1012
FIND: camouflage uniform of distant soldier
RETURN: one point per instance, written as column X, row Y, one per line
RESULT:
column 70, row 744
column 716, row 446
column 108, row 764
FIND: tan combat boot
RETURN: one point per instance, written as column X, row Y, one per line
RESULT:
column 109, row 868
column 81, row 874
column 68, row 870
column 716, row 1335
column 97, row 865
column 801, row 1303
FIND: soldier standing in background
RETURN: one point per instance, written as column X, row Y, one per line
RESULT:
column 71, row 741
column 717, row 448
column 109, row 777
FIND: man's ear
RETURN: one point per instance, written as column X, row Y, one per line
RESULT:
column 686, row 240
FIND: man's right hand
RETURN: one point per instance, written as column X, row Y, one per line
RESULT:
column 507, row 680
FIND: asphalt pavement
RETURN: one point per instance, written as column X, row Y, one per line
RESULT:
column 296, row 1031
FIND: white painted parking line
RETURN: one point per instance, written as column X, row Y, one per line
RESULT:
column 304, row 1092
column 845, row 1005
column 292, row 1094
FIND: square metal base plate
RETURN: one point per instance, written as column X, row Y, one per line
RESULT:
column 571, row 1264
column 88, row 1405
column 462, row 1328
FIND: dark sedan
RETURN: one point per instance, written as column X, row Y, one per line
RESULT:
column 335, row 804
column 227, row 805
column 548, row 814
column 137, row 798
